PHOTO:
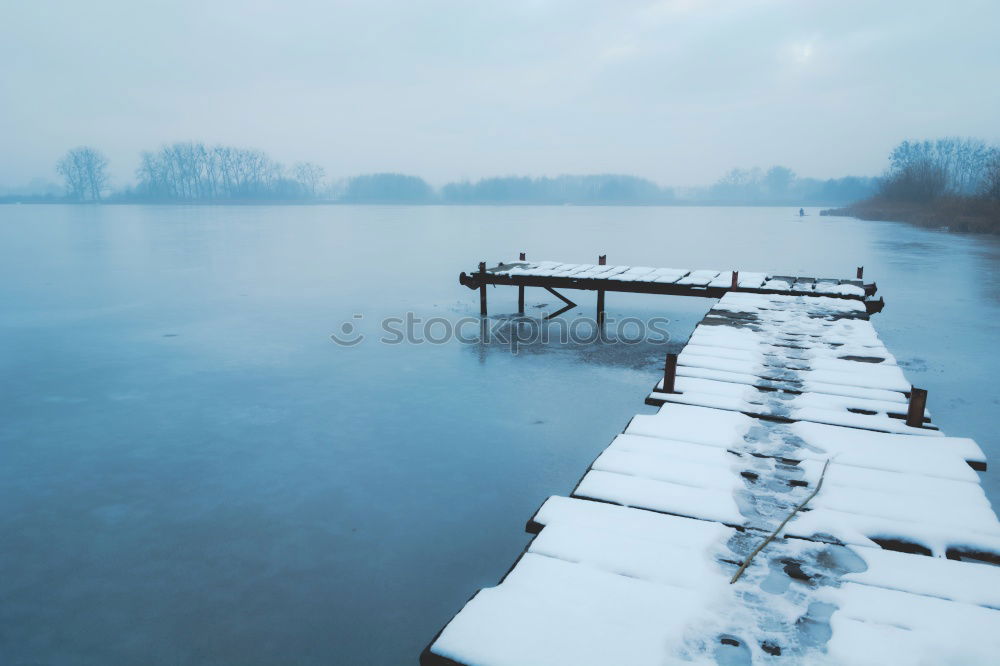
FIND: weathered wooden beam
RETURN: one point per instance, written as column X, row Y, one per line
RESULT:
column 569, row 304
column 482, row 289
column 601, row 261
column 520, row 289
column 475, row 280
column 874, row 307
column 915, row 412
column 669, row 374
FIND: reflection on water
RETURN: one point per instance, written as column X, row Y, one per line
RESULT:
column 193, row 472
column 633, row 343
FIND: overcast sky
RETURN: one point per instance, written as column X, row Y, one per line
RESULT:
column 677, row 91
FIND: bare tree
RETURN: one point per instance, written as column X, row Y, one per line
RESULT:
column 85, row 171
column 952, row 166
column 310, row 175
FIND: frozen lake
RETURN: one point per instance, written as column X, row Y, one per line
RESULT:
column 192, row 472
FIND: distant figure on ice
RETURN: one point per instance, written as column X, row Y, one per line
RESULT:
column 802, row 212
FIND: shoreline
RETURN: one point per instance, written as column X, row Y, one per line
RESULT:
column 963, row 214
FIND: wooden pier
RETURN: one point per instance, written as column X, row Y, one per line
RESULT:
column 602, row 278
column 791, row 500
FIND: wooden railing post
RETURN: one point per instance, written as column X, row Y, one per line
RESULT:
column 736, row 279
column 520, row 290
column 601, row 261
column 669, row 374
column 915, row 412
column 482, row 289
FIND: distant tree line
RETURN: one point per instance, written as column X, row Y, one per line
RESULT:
column 596, row 189
column 194, row 172
column 780, row 186
column 387, row 188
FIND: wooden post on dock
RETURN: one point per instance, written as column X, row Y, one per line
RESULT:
column 482, row 290
column 861, row 272
column 915, row 413
column 601, row 261
column 736, row 279
column 520, row 290
column 669, row 374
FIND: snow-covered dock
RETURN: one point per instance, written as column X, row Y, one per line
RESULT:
column 777, row 399
column 603, row 278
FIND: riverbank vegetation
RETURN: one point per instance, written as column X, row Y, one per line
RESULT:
column 948, row 183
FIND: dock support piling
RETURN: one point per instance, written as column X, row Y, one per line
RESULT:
column 520, row 290
column 861, row 272
column 601, row 261
column 736, row 279
column 669, row 374
column 918, row 402
column 482, row 290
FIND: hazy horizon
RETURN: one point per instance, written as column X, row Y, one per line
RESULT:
column 677, row 92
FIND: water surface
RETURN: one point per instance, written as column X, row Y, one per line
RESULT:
column 191, row 472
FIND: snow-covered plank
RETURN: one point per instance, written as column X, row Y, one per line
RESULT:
column 668, row 275
column 636, row 274
column 804, row 286
column 700, row 278
column 779, row 283
column 787, row 305
column 966, row 582
column 903, row 526
column 863, row 501
column 723, row 279
column 788, row 382
column 640, row 544
column 774, row 352
column 750, row 280
column 835, row 288
column 644, row 492
column 574, row 270
column 905, row 497
column 558, row 613
column 879, row 626
column 630, row 542
column 659, row 465
column 945, row 457
column 851, row 411
column 604, row 584
column 861, row 375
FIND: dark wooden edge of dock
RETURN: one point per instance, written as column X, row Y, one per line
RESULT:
column 477, row 280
